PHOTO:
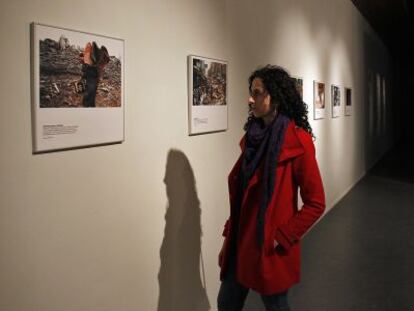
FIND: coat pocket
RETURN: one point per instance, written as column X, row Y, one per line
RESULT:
column 271, row 250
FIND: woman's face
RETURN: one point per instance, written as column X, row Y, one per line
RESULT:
column 259, row 99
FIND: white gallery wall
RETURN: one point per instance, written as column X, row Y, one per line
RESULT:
column 137, row 225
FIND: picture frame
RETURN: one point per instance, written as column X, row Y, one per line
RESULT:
column 207, row 95
column 77, row 88
column 299, row 85
column 348, row 101
column 335, row 100
column 318, row 100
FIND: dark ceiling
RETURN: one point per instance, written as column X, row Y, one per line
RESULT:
column 393, row 20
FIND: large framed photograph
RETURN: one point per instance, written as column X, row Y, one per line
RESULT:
column 207, row 99
column 318, row 100
column 335, row 101
column 77, row 88
column 299, row 85
column 348, row 101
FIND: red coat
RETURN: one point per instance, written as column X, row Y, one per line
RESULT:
column 270, row 270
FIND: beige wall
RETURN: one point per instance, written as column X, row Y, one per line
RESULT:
column 87, row 229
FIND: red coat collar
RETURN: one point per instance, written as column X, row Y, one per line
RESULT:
column 291, row 147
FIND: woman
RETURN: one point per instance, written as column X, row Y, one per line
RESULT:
column 261, row 250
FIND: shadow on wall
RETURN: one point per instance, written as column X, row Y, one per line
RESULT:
column 179, row 278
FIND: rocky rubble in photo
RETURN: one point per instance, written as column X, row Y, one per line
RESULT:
column 61, row 73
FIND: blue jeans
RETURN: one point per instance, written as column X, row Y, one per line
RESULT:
column 232, row 295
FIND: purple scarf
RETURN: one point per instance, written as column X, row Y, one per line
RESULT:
column 262, row 142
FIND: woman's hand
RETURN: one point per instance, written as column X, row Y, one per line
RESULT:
column 275, row 243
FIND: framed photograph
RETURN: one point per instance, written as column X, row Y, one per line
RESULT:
column 299, row 85
column 77, row 89
column 318, row 100
column 335, row 101
column 348, row 101
column 207, row 99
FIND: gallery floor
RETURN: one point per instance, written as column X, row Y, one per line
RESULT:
column 360, row 255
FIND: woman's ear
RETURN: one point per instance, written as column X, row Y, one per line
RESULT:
column 274, row 105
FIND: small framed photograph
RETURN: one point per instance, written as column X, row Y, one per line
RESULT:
column 335, row 101
column 318, row 100
column 299, row 85
column 207, row 99
column 348, row 101
column 77, row 88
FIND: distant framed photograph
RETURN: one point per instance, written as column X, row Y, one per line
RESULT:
column 207, row 99
column 299, row 85
column 335, row 100
column 318, row 100
column 348, row 101
column 77, row 88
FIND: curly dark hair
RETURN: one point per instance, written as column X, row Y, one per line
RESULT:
column 284, row 95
